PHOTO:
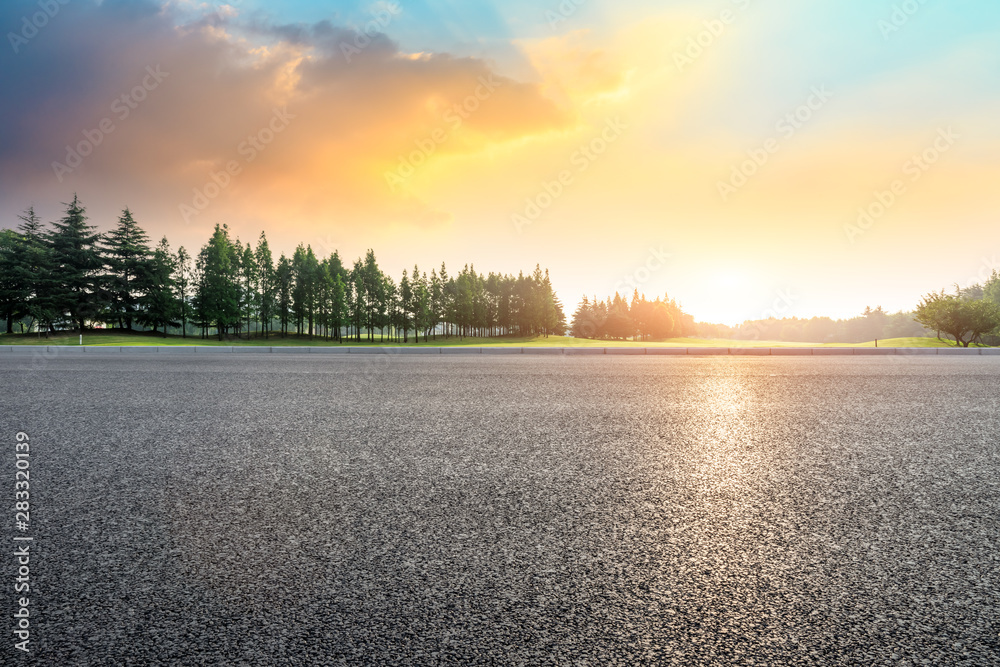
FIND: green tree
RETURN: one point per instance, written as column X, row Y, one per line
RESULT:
column 302, row 288
column 126, row 248
column 313, row 283
column 375, row 293
column 159, row 307
column 76, row 265
column 991, row 289
column 217, row 296
column 405, row 304
column 338, row 312
column 421, row 304
column 13, row 292
column 32, row 268
column 963, row 319
column 661, row 321
column 249, row 285
column 619, row 325
column 268, row 284
column 183, row 280
column 583, row 325
column 283, row 287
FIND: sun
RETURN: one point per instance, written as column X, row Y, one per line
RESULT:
column 732, row 280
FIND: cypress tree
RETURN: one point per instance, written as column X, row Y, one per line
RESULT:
column 76, row 264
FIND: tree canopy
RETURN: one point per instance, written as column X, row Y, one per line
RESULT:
column 966, row 320
column 616, row 319
column 68, row 275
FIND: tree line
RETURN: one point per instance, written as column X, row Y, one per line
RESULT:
column 67, row 275
column 873, row 323
column 616, row 319
column 968, row 315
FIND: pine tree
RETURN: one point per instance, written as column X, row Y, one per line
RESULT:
column 32, row 265
column 375, row 293
column 436, row 302
column 339, row 305
column 57, row 274
column 405, row 303
column 311, row 275
column 584, row 325
column 76, row 265
column 126, row 248
column 421, row 304
column 183, row 280
column 13, row 286
column 267, row 283
column 159, row 307
column 249, row 285
column 283, row 284
column 300, row 289
column 217, row 295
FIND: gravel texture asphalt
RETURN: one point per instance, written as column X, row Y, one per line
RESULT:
column 241, row 510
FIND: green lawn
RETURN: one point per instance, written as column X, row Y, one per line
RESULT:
column 902, row 342
column 117, row 337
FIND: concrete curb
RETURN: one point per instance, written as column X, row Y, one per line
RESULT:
column 56, row 350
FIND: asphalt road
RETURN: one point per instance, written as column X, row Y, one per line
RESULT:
column 225, row 509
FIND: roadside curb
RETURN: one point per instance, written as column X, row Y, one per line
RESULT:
column 546, row 351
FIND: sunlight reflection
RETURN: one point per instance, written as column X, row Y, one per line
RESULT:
column 726, row 457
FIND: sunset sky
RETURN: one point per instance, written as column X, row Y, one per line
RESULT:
column 716, row 151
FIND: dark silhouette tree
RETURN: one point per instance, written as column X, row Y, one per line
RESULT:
column 158, row 304
column 127, row 252
column 76, row 264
